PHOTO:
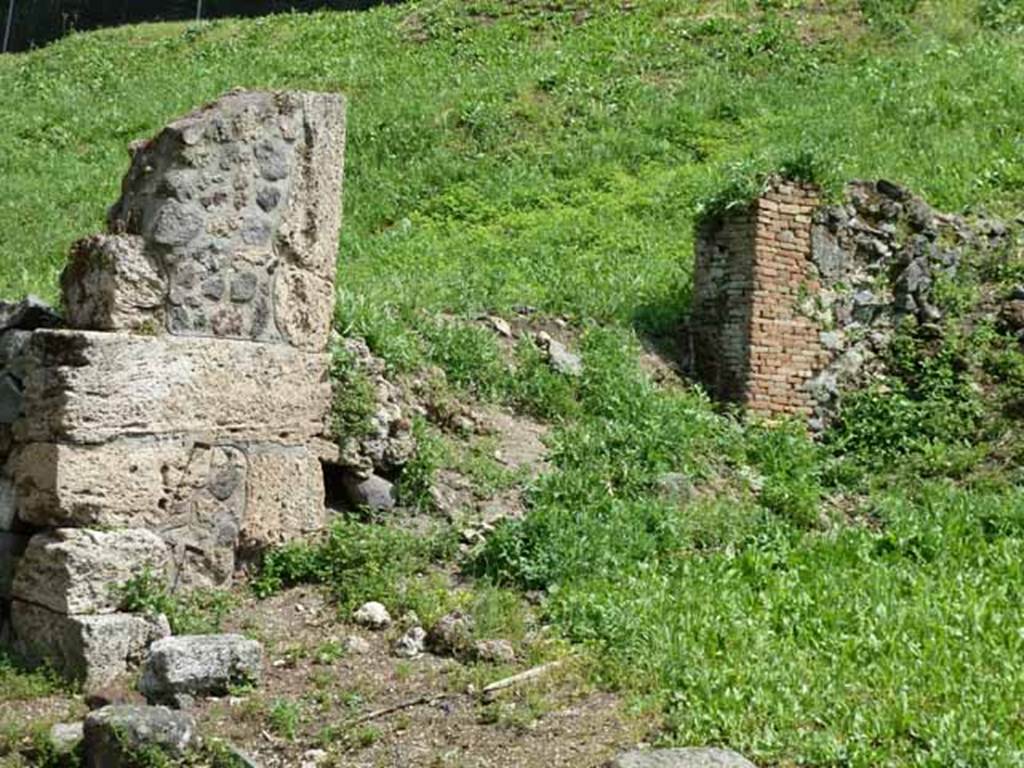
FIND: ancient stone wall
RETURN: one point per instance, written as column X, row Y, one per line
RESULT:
column 752, row 344
column 175, row 424
column 795, row 302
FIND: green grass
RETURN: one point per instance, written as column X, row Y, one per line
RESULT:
column 18, row 682
column 852, row 603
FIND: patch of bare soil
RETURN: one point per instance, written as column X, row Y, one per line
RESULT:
column 321, row 685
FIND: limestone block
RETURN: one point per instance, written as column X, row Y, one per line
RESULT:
column 114, row 736
column 200, row 665
column 205, row 501
column 12, row 546
column 112, row 283
column 95, row 649
column 285, row 497
column 77, row 571
column 87, row 387
column 239, row 204
column 120, row 484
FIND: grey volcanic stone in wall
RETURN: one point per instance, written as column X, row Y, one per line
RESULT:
column 200, row 665
column 75, row 570
column 8, row 502
column 95, row 649
column 237, row 207
column 111, row 283
column 88, row 387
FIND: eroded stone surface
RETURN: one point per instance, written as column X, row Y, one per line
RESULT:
column 77, row 571
column 114, row 735
column 227, row 225
column 95, row 649
column 87, row 387
column 285, row 497
column 200, row 665
column 112, row 283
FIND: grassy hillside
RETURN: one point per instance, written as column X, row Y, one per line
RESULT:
column 830, row 605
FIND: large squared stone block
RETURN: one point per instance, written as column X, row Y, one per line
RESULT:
column 285, row 497
column 87, row 387
column 75, row 570
column 95, row 650
column 205, row 501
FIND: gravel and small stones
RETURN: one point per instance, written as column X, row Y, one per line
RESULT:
column 387, row 443
column 112, row 736
column 372, row 615
column 356, row 645
column 312, row 758
column 689, row 757
column 494, row 651
column 411, row 644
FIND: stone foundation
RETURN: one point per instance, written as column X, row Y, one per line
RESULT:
column 175, row 423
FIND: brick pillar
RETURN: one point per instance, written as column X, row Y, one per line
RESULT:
column 751, row 342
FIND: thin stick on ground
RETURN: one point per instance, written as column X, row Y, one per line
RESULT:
column 408, row 704
column 492, row 690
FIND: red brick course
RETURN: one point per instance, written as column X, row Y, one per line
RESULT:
column 751, row 343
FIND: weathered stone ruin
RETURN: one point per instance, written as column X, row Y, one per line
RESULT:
column 751, row 342
column 795, row 301
column 175, row 425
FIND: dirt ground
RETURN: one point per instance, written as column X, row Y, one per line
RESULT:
column 316, row 703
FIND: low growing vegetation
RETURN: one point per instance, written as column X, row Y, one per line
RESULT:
column 849, row 602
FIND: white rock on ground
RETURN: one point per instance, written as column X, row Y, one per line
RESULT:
column 356, row 645
column 689, row 757
column 372, row 615
column 411, row 644
column 494, row 651
column 200, row 665
column 64, row 738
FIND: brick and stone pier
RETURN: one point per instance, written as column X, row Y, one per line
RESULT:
column 753, row 343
